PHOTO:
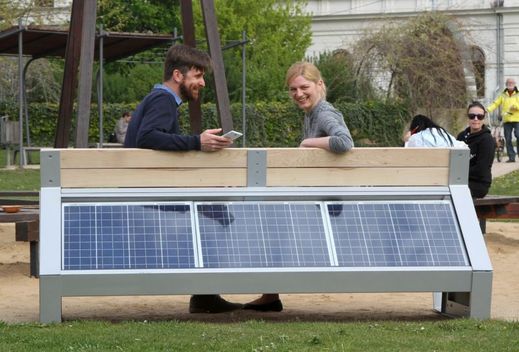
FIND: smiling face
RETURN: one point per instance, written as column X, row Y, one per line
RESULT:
column 476, row 123
column 305, row 93
column 191, row 84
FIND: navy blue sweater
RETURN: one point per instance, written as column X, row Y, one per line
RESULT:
column 154, row 125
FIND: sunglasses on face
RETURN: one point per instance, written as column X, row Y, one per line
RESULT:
column 479, row 116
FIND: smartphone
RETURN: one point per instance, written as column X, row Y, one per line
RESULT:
column 233, row 135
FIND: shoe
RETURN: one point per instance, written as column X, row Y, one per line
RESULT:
column 510, row 161
column 274, row 306
column 211, row 304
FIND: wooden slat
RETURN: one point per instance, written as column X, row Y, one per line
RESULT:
column 234, row 157
column 359, row 157
column 289, row 167
column 143, row 158
column 357, row 177
column 102, row 178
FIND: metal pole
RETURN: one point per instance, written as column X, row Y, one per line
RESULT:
column 243, row 89
column 499, row 51
column 26, row 108
column 20, row 93
column 100, row 86
column 26, row 111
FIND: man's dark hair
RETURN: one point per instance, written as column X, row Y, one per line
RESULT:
column 183, row 58
column 478, row 104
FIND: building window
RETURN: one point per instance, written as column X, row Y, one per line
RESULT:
column 478, row 62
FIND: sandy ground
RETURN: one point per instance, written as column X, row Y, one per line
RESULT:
column 19, row 294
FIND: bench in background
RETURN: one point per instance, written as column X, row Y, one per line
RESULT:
column 496, row 207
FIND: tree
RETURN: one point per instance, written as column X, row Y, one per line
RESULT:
column 278, row 30
column 40, row 84
column 279, row 34
column 154, row 16
column 418, row 61
column 131, row 79
column 11, row 11
column 338, row 72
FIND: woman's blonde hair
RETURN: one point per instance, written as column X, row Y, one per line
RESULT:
column 308, row 71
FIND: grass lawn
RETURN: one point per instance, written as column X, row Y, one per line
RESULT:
column 506, row 185
column 445, row 335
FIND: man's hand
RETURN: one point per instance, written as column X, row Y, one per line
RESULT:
column 211, row 142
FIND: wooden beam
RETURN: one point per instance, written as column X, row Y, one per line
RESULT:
column 85, row 73
column 215, row 50
column 296, row 167
column 70, row 78
column 188, row 33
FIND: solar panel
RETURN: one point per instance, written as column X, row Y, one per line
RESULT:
column 127, row 236
column 390, row 234
column 249, row 235
column 261, row 235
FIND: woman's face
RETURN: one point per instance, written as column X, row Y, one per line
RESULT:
column 476, row 116
column 305, row 93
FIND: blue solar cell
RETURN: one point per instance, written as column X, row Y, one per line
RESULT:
column 389, row 234
column 80, row 249
column 261, row 235
column 249, row 235
column 127, row 236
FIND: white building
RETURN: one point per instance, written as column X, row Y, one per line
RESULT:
column 338, row 24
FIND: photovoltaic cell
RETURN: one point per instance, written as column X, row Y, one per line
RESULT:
column 390, row 234
column 261, row 235
column 126, row 236
column 256, row 235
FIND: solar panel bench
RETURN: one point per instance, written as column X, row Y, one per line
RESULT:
column 142, row 222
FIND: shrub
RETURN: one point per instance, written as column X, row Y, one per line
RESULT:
column 276, row 124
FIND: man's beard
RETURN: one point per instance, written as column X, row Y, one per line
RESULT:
column 187, row 93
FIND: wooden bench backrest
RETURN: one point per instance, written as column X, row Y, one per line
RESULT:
column 289, row 167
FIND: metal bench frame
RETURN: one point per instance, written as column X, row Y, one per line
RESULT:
column 462, row 291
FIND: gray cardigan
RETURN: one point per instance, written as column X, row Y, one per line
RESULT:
column 324, row 120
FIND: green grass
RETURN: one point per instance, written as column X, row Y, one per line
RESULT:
column 506, row 185
column 446, row 335
column 20, row 180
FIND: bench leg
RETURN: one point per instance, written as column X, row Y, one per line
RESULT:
column 34, row 259
column 483, row 225
column 29, row 231
column 50, row 299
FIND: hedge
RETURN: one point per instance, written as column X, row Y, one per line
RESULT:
column 371, row 123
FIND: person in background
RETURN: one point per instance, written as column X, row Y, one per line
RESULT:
column 324, row 127
column 423, row 132
column 509, row 102
column 155, row 125
column 121, row 126
column 482, row 149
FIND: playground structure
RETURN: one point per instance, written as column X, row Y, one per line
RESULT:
column 80, row 47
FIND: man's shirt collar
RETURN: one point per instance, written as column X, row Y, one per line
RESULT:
column 170, row 91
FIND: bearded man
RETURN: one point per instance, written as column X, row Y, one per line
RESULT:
column 155, row 122
column 155, row 125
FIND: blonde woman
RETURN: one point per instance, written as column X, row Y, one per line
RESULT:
column 324, row 127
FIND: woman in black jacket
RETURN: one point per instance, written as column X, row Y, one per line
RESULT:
column 482, row 150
